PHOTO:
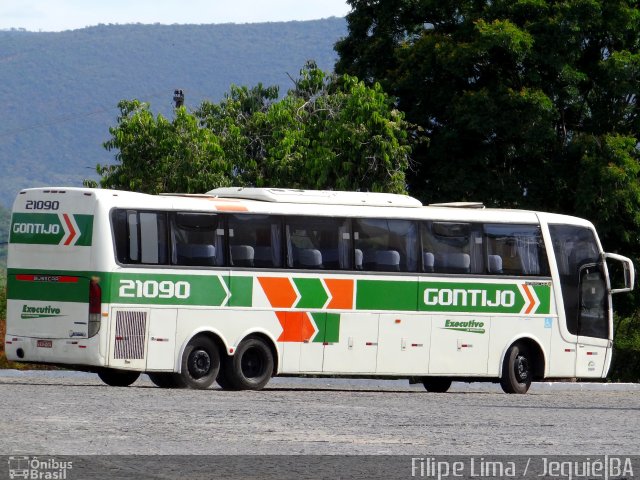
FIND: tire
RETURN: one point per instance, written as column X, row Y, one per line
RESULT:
column 436, row 384
column 517, row 369
column 166, row 380
column 251, row 367
column 222, row 379
column 118, row 378
column 200, row 363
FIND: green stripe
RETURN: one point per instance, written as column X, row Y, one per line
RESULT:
column 241, row 289
column 47, row 229
column 163, row 289
column 471, row 297
column 544, row 295
column 386, row 295
column 328, row 325
column 466, row 297
column 85, row 224
column 49, row 291
column 212, row 290
column 312, row 293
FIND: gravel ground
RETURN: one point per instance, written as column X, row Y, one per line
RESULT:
column 69, row 413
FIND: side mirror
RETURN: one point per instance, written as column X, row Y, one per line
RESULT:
column 621, row 270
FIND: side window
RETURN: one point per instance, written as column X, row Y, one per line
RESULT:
column 318, row 242
column 140, row 237
column 515, row 250
column 255, row 241
column 197, row 239
column 451, row 247
column 120, row 235
column 385, row 245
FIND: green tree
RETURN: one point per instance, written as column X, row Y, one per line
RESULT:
column 328, row 132
column 528, row 103
column 156, row 155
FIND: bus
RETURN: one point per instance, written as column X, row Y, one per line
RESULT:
column 238, row 285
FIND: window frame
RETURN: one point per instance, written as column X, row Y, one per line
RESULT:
column 423, row 229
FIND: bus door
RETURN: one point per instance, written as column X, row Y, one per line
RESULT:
column 586, row 297
column 594, row 321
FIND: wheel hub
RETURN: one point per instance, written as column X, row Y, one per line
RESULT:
column 199, row 363
column 252, row 364
column 522, row 368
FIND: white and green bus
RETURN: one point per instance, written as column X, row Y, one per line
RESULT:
column 242, row 284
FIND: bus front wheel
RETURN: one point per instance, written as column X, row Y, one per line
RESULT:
column 251, row 366
column 517, row 369
column 118, row 378
column 200, row 363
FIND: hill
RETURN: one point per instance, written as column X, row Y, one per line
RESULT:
column 60, row 90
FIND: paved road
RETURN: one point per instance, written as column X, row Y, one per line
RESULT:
column 67, row 413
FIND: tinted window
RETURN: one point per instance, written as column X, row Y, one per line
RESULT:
column 255, row 241
column 449, row 247
column 140, row 237
column 197, row 239
column 318, row 242
column 515, row 250
column 385, row 245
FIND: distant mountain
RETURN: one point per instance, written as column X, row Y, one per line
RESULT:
column 59, row 91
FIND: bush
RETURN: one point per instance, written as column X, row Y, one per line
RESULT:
column 625, row 366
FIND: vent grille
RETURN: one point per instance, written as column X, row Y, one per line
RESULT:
column 130, row 335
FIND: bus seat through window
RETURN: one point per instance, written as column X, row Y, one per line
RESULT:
column 452, row 262
column 358, row 258
column 310, row 258
column 495, row 263
column 429, row 261
column 242, row 255
column 196, row 254
column 387, row 260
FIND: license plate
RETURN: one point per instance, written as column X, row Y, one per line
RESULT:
column 45, row 344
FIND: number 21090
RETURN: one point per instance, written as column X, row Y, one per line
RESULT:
column 154, row 289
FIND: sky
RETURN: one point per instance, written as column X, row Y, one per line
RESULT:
column 59, row 15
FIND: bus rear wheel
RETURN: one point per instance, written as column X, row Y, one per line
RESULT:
column 200, row 363
column 517, row 369
column 436, row 384
column 250, row 368
column 222, row 379
column 118, row 378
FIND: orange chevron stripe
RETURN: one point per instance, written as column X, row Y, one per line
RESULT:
column 228, row 204
column 296, row 327
column 279, row 291
column 532, row 301
column 72, row 232
column 231, row 208
column 341, row 293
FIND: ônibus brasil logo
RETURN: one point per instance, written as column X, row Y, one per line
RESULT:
column 51, row 229
column 38, row 468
